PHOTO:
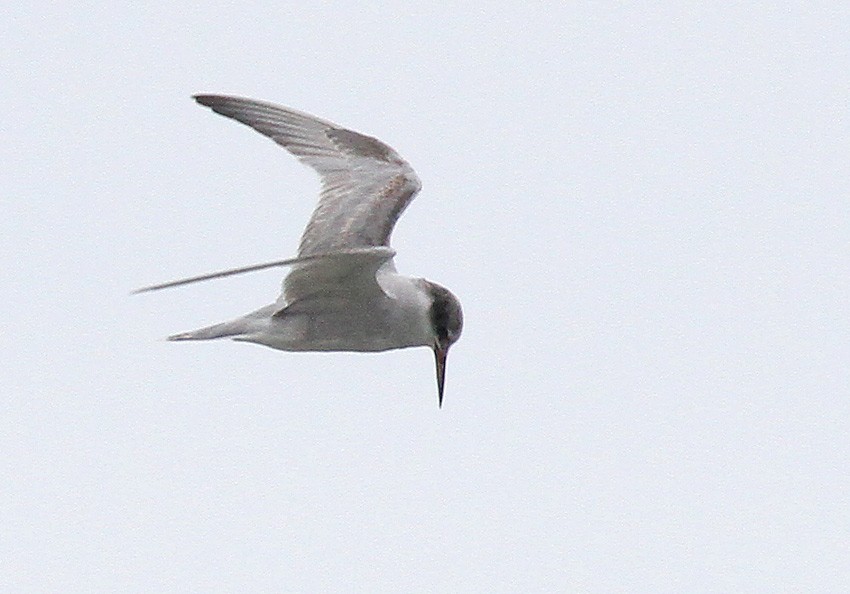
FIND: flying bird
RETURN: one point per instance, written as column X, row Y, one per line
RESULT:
column 342, row 292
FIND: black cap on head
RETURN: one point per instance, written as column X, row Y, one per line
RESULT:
column 447, row 322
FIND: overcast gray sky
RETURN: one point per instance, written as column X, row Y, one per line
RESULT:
column 642, row 207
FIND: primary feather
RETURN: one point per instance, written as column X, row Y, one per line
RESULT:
column 366, row 185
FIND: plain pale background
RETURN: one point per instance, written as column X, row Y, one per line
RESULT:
column 643, row 208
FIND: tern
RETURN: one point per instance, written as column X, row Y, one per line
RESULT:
column 342, row 292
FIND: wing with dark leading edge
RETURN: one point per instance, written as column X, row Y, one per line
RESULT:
column 366, row 185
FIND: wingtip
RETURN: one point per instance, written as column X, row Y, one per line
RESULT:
column 150, row 288
column 214, row 99
column 203, row 98
column 141, row 290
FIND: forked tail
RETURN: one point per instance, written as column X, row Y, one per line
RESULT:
column 223, row 330
column 246, row 325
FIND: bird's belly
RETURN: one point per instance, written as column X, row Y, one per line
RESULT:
column 327, row 333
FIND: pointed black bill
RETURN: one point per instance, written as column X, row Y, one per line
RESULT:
column 440, row 355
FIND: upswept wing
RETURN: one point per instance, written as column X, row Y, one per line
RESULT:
column 366, row 185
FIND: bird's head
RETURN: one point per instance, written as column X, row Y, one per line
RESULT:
column 447, row 324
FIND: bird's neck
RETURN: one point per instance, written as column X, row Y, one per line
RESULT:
column 411, row 305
